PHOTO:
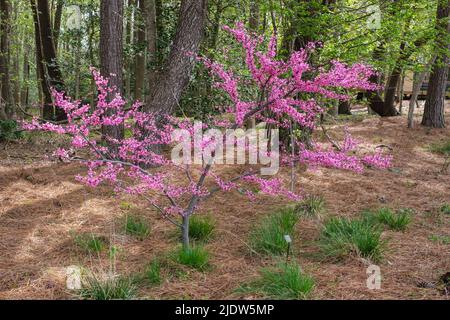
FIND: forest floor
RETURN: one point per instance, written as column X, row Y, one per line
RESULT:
column 42, row 207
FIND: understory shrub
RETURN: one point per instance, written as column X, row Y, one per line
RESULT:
column 268, row 235
column 342, row 237
column 9, row 130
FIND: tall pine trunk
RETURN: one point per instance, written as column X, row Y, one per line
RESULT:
column 434, row 106
column 171, row 81
column 111, row 53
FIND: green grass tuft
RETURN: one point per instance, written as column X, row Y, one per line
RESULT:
column 312, row 206
column 268, row 235
column 201, row 228
column 445, row 240
column 195, row 257
column 441, row 148
column 153, row 273
column 91, row 243
column 342, row 237
column 108, row 289
column 445, row 209
column 137, row 227
column 287, row 281
column 398, row 221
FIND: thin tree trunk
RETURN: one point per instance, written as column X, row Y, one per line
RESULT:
column 418, row 81
column 185, row 230
column 254, row 27
column 111, row 52
column 24, row 93
column 5, row 103
column 57, row 22
column 433, row 115
column 129, row 40
column 401, row 91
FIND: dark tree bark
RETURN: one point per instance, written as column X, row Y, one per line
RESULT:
column 170, row 82
column 141, row 47
column 6, row 109
column 389, row 109
column 50, row 72
column 344, row 108
column 45, row 97
column 111, row 52
column 152, row 38
column 433, row 116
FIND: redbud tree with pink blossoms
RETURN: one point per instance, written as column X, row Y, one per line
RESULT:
column 132, row 167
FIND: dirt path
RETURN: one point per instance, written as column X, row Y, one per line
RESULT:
column 42, row 207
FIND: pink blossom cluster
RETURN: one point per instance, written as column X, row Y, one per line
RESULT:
column 134, row 164
column 282, row 82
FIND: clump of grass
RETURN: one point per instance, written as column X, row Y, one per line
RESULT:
column 137, row 227
column 441, row 148
column 440, row 239
column 153, row 273
column 445, row 209
column 312, row 206
column 286, row 281
column 268, row 235
column 342, row 237
column 195, row 257
column 108, row 288
column 201, row 228
column 397, row 221
column 90, row 242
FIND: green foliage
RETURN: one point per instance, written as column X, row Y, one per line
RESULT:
column 441, row 148
column 90, row 242
column 9, row 130
column 445, row 240
column 137, row 227
column 195, row 257
column 398, row 221
column 268, row 235
column 110, row 288
column 342, row 237
column 153, row 273
column 287, row 281
column 201, row 228
column 312, row 206
column 445, row 209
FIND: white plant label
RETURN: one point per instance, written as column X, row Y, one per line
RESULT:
column 374, row 279
column 73, row 281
